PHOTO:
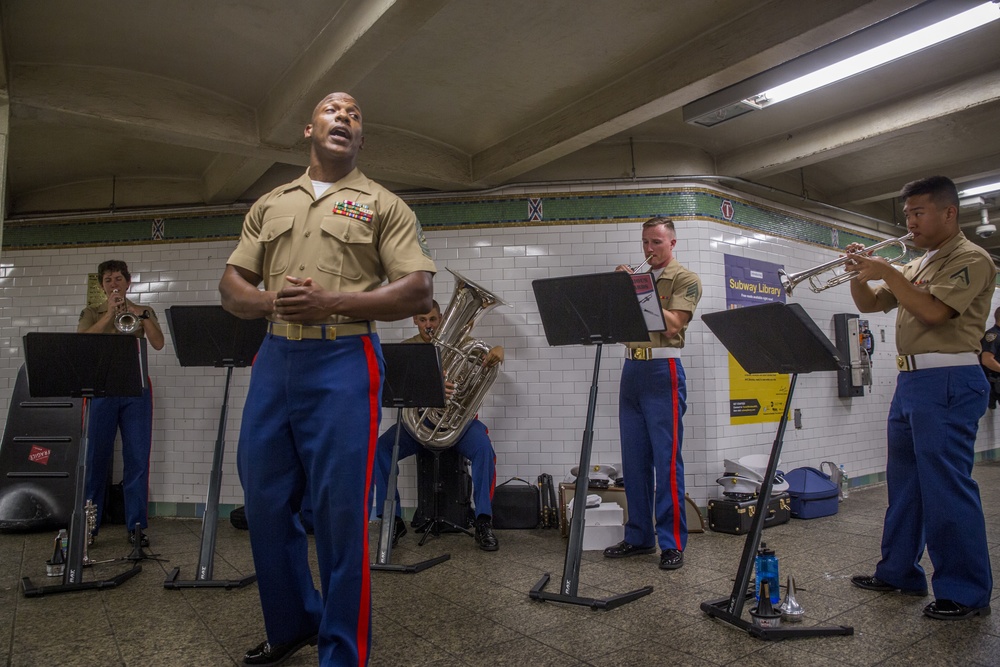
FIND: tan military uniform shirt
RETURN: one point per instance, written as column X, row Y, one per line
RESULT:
column 962, row 276
column 351, row 239
column 678, row 289
column 91, row 314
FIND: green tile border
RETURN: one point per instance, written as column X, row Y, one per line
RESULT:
column 683, row 203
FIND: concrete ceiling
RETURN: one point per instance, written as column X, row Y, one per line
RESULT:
column 188, row 103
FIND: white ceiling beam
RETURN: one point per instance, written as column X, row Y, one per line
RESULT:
column 229, row 176
column 749, row 44
column 142, row 106
column 974, row 169
column 860, row 129
column 355, row 41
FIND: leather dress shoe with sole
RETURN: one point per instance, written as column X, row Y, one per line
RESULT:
column 624, row 549
column 875, row 584
column 671, row 559
column 485, row 538
column 267, row 653
column 949, row 610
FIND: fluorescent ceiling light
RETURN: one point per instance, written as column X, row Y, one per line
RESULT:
column 923, row 26
column 980, row 189
column 880, row 55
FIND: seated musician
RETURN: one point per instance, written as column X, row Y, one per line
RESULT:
column 474, row 445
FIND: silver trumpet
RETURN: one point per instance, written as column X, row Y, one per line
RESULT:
column 790, row 280
column 125, row 321
column 636, row 269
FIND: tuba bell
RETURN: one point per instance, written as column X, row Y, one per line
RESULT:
column 462, row 361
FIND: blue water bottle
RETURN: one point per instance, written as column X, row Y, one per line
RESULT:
column 766, row 569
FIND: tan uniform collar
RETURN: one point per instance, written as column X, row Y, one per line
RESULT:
column 670, row 270
column 942, row 252
column 353, row 181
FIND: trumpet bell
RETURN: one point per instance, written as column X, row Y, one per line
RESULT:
column 126, row 323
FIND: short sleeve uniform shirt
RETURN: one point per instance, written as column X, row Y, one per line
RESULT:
column 678, row 289
column 962, row 276
column 353, row 238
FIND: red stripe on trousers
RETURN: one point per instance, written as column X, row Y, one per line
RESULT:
column 675, row 409
column 364, row 608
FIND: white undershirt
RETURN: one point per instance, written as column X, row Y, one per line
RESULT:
column 320, row 188
column 926, row 258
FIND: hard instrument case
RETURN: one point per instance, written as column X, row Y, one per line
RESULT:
column 455, row 502
column 813, row 493
column 515, row 504
column 735, row 516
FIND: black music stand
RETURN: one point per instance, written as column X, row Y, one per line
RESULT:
column 87, row 366
column 413, row 379
column 209, row 336
column 587, row 310
column 769, row 338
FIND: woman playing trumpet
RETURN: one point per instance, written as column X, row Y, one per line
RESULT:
column 134, row 415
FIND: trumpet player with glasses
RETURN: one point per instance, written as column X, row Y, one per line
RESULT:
column 942, row 299
column 474, row 445
column 652, row 400
column 132, row 414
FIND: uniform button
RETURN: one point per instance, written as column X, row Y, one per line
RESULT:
column 307, row 234
column 302, row 267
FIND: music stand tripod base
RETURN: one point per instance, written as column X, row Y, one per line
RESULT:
column 91, row 365
column 412, row 379
column 770, row 338
column 172, row 583
column 208, row 336
column 537, row 593
column 32, row 591
column 587, row 310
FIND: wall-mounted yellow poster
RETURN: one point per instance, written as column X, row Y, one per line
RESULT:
column 759, row 397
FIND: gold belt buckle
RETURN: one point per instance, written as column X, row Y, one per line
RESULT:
column 640, row 353
column 903, row 362
column 289, row 328
column 329, row 333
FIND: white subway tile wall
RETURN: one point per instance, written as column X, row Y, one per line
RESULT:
column 536, row 410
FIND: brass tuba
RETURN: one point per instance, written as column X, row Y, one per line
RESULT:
column 462, row 362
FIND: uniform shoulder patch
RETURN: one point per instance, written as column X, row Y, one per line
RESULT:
column 962, row 276
column 421, row 239
column 990, row 336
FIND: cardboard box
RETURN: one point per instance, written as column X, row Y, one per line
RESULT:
column 599, row 538
column 612, row 494
column 616, row 494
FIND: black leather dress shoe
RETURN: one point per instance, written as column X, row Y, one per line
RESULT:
column 949, row 610
column 485, row 538
column 398, row 530
column 266, row 653
column 671, row 559
column 875, row 584
column 623, row 549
